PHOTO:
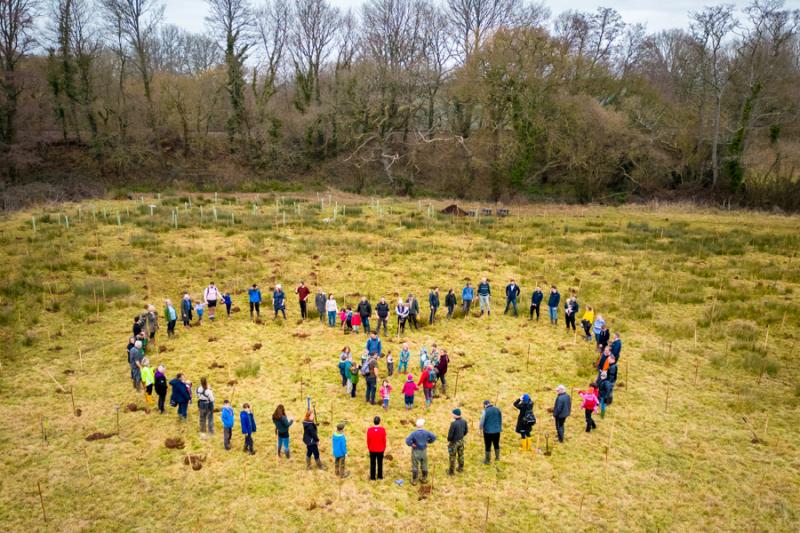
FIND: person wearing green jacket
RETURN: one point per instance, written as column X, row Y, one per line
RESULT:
column 171, row 316
column 282, row 425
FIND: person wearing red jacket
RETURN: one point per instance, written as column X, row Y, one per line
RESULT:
column 376, row 444
column 428, row 382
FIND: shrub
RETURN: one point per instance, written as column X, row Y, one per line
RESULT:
column 758, row 364
column 101, row 287
column 249, row 368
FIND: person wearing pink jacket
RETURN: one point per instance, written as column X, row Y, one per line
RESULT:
column 589, row 405
column 409, row 388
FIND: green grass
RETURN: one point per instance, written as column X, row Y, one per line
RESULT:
column 705, row 301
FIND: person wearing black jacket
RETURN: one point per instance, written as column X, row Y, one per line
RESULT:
column 525, row 420
column 603, row 337
column 161, row 387
column 455, row 441
column 561, row 410
column 364, row 310
column 536, row 302
column 450, row 302
column 512, row 293
column 382, row 309
column 180, row 395
column 413, row 310
column 311, row 440
column 433, row 301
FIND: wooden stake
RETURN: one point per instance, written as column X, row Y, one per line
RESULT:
column 666, row 399
column 455, row 394
column 72, row 396
column 696, row 370
column 80, row 356
column 44, row 433
column 766, row 339
column 528, row 358
column 86, row 459
column 41, row 500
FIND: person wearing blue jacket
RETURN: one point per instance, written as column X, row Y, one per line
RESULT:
column 180, row 395
column 536, row 302
column 339, row 445
column 484, row 292
column 279, row 301
column 254, row 295
column 491, row 424
column 374, row 344
column 419, row 440
column 433, row 301
column 552, row 304
column 226, row 298
column 467, row 295
column 226, row 416
column 248, row 423
column 512, row 293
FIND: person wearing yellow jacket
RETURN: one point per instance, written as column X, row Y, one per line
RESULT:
column 148, row 378
column 586, row 321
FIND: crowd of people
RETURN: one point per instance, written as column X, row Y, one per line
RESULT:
column 372, row 363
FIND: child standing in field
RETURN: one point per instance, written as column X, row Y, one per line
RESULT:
column 589, row 405
column 389, row 363
column 386, row 389
column 409, row 388
column 248, row 423
column 228, row 302
column 199, row 308
column 227, row 423
column 343, row 319
column 423, row 358
column 355, row 321
column 149, row 380
column 339, row 442
column 405, row 355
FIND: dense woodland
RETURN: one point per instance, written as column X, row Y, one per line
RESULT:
column 481, row 99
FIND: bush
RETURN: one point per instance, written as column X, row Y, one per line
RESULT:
column 249, row 368
column 107, row 288
column 758, row 364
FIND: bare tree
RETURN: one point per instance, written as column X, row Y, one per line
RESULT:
column 710, row 28
column 474, row 21
column 272, row 25
column 313, row 34
column 16, row 40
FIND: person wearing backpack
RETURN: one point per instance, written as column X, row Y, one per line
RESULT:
column 589, row 405
column 344, row 359
column 428, row 382
column 211, row 295
column 205, row 404
column 525, row 420
column 180, row 396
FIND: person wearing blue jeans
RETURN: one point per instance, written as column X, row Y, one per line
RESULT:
column 484, row 292
column 331, row 308
column 467, row 295
column 282, row 425
column 552, row 304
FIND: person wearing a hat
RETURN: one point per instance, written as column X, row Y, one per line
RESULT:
column 455, row 441
column 561, row 410
column 419, row 441
column 339, row 442
column 491, row 425
column 525, row 420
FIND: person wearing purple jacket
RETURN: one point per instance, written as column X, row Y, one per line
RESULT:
column 419, row 441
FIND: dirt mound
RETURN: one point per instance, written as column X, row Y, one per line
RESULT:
column 56, row 348
column 235, row 309
column 78, row 412
column 256, row 346
column 212, row 339
column 214, row 365
column 512, row 370
column 68, row 372
column 388, row 457
column 301, row 335
column 503, row 350
column 162, row 349
column 174, row 444
column 468, row 365
column 98, row 436
column 131, row 407
column 196, row 461
column 424, row 491
column 561, row 347
column 232, row 382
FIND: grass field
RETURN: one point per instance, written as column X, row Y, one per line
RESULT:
column 702, row 434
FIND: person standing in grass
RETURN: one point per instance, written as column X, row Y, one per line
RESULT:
column 423, row 358
column 589, row 405
column 226, row 299
column 135, row 358
column 302, row 295
column 199, row 308
column 385, row 391
column 382, row 310
column 311, row 440
column 604, row 337
column 587, row 321
column 491, row 425
column 512, row 293
column 402, row 315
column 570, row 311
column 441, row 370
column 344, row 359
column 331, row 308
column 248, row 423
column 353, row 376
column 428, row 381
column 149, row 380
column 484, row 293
column 374, row 345
column 467, row 295
column 171, row 316
column 433, row 301
column 339, row 445
column 282, row 425
column 161, row 387
column 413, row 311
column 364, row 310
column 389, row 363
column 205, row 405
column 455, row 441
column 152, row 323
column 319, row 303
column 186, row 310
column 355, row 321
column 180, row 395
column 597, row 328
column 279, row 301
column 561, row 410
column 616, row 346
column 376, row 444
column 552, row 304
column 371, row 378
column 419, row 440
column 211, row 296
column 409, row 388
column 525, row 420
column 450, row 303
column 254, row 297
column 405, row 355
column 226, row 417
column 536, row 302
